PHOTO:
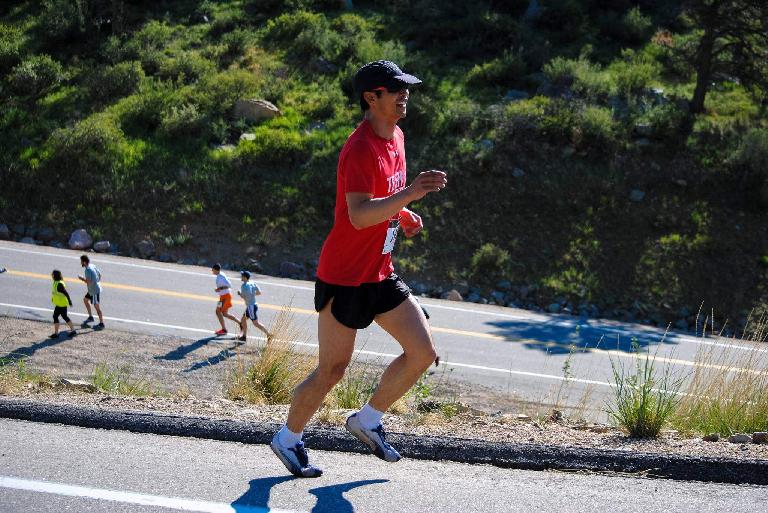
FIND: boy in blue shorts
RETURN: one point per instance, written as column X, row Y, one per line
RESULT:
column 248, row 291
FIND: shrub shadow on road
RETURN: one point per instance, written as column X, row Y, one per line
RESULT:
column 182, row 351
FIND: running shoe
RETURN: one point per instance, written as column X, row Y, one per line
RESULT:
column 99, row 326
column 295, row 459
column 220, row 332
column 373, row 438
column 241, row 338
column 84, row 324
column 2, row 270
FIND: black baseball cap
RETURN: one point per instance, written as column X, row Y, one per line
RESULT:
column 382, row 74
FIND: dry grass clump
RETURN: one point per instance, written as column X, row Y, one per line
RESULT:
column 15, row 376
column 728, row 390
column 270, row 376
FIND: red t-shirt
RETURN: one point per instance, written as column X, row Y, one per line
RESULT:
column 374, row 165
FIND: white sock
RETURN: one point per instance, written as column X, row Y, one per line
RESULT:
column 369, row 417
column 287, row 438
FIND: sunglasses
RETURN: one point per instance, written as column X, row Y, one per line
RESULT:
column 393, row 89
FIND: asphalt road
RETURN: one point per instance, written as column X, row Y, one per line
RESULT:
column 509, row 350
column 54, row 468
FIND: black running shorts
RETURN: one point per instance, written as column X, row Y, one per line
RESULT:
column 60, row 311
column 356, row 307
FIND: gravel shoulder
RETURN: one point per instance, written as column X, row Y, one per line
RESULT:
column 191, row 375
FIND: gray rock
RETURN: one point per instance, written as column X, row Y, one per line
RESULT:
column 46, row 234
column 253, row 265
column 643, row 142
column 102, row 246
column 255, row 110
column 498, row 297
column 80, row 239
column 523, row 291
column 146, row 248
column 504, row 285
column 202, row 262
column 518, row 173
column 554, row 308
column 76, row 384
column 452, row 295
column 165, row 258
column 19, row 229
column 462, row 287
column 419, row 288
column 29, row 240
column 247, row 137
column 712, row 437
column 740, row 438
column 760, row 437
column 474, row 297
column 31, row 231
column 291, row 270
column 5, row 232
column 636, row 195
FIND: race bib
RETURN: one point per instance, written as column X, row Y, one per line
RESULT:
column 389, row 242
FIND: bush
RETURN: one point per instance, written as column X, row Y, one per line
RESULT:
column 752, row 153
column 636, row 25
column 273, row 146
column 306, row 35
column 580, row 75
column 488, row 263
column 186, row 67
column 216, row 94
column 11, row 43
column 116, row 81
column 596, row 129
column 35, row 76
column 61, row 19
column 633, row 73
column 184, row 120
column 506, row 71
column 666, row 121
column 644, row 400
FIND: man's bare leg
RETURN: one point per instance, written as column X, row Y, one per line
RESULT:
column 337, row 342
column 98, row 311
column 221, row 319
column 408, row 325
column 87, row 307
column 262, row 328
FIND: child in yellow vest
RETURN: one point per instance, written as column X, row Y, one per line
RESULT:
column 61, row 300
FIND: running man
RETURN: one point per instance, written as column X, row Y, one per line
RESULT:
column 356, row 283
column 61, row 300
column 248, row 291
column 224, row 290
column 92, row 278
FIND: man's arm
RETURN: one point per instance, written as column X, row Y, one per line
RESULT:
column 365, row 211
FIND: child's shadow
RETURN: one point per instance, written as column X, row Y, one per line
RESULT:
column 330, row 499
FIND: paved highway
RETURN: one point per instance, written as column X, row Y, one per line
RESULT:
column 53, row 468
column 510, row 350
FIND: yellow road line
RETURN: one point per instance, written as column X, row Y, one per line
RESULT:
column 436, row 329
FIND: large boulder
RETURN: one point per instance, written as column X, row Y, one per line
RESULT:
column 5, row 232
column 146, row 248
column 80, row 239
column 292, row 270
column 255, row 110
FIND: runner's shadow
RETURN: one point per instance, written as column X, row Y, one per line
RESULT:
column 224, row 354
column 330, row 499
column 27, row 351
column 180, row 352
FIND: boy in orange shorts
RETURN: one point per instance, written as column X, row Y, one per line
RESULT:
column 224, row 290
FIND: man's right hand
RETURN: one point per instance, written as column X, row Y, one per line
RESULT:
column 426, row 182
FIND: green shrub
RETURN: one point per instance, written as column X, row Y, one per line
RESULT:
column 142, row 111
column 272, row 146
column 489, row 262
column 12, row 40
column 306, row 35
column 61, row 19
column 146, row 46
column 752, row 153
column 36, row 75
column 184, row 120
column 582, row 76
column 116, row 81
column 666, row 121
column 644, row 399
column 186, row 67
column 596, row 128
column 216, row 94
column 636, row 25
column 633, row 73
column 507, row 70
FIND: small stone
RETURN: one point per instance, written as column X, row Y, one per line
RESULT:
column 102, row 246
column 76, row 384
column 740, row 438
column 522, row 417
column 247, row 137
column 680, row 182
column 146, row 248
column 760, row 437
column 712, row 437
column 80, row 239
column 599, row 428
column 636, row 195
column 452, row 295
column 5, row 232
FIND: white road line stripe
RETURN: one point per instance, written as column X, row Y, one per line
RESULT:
column 357, row 351
column 132, row 497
